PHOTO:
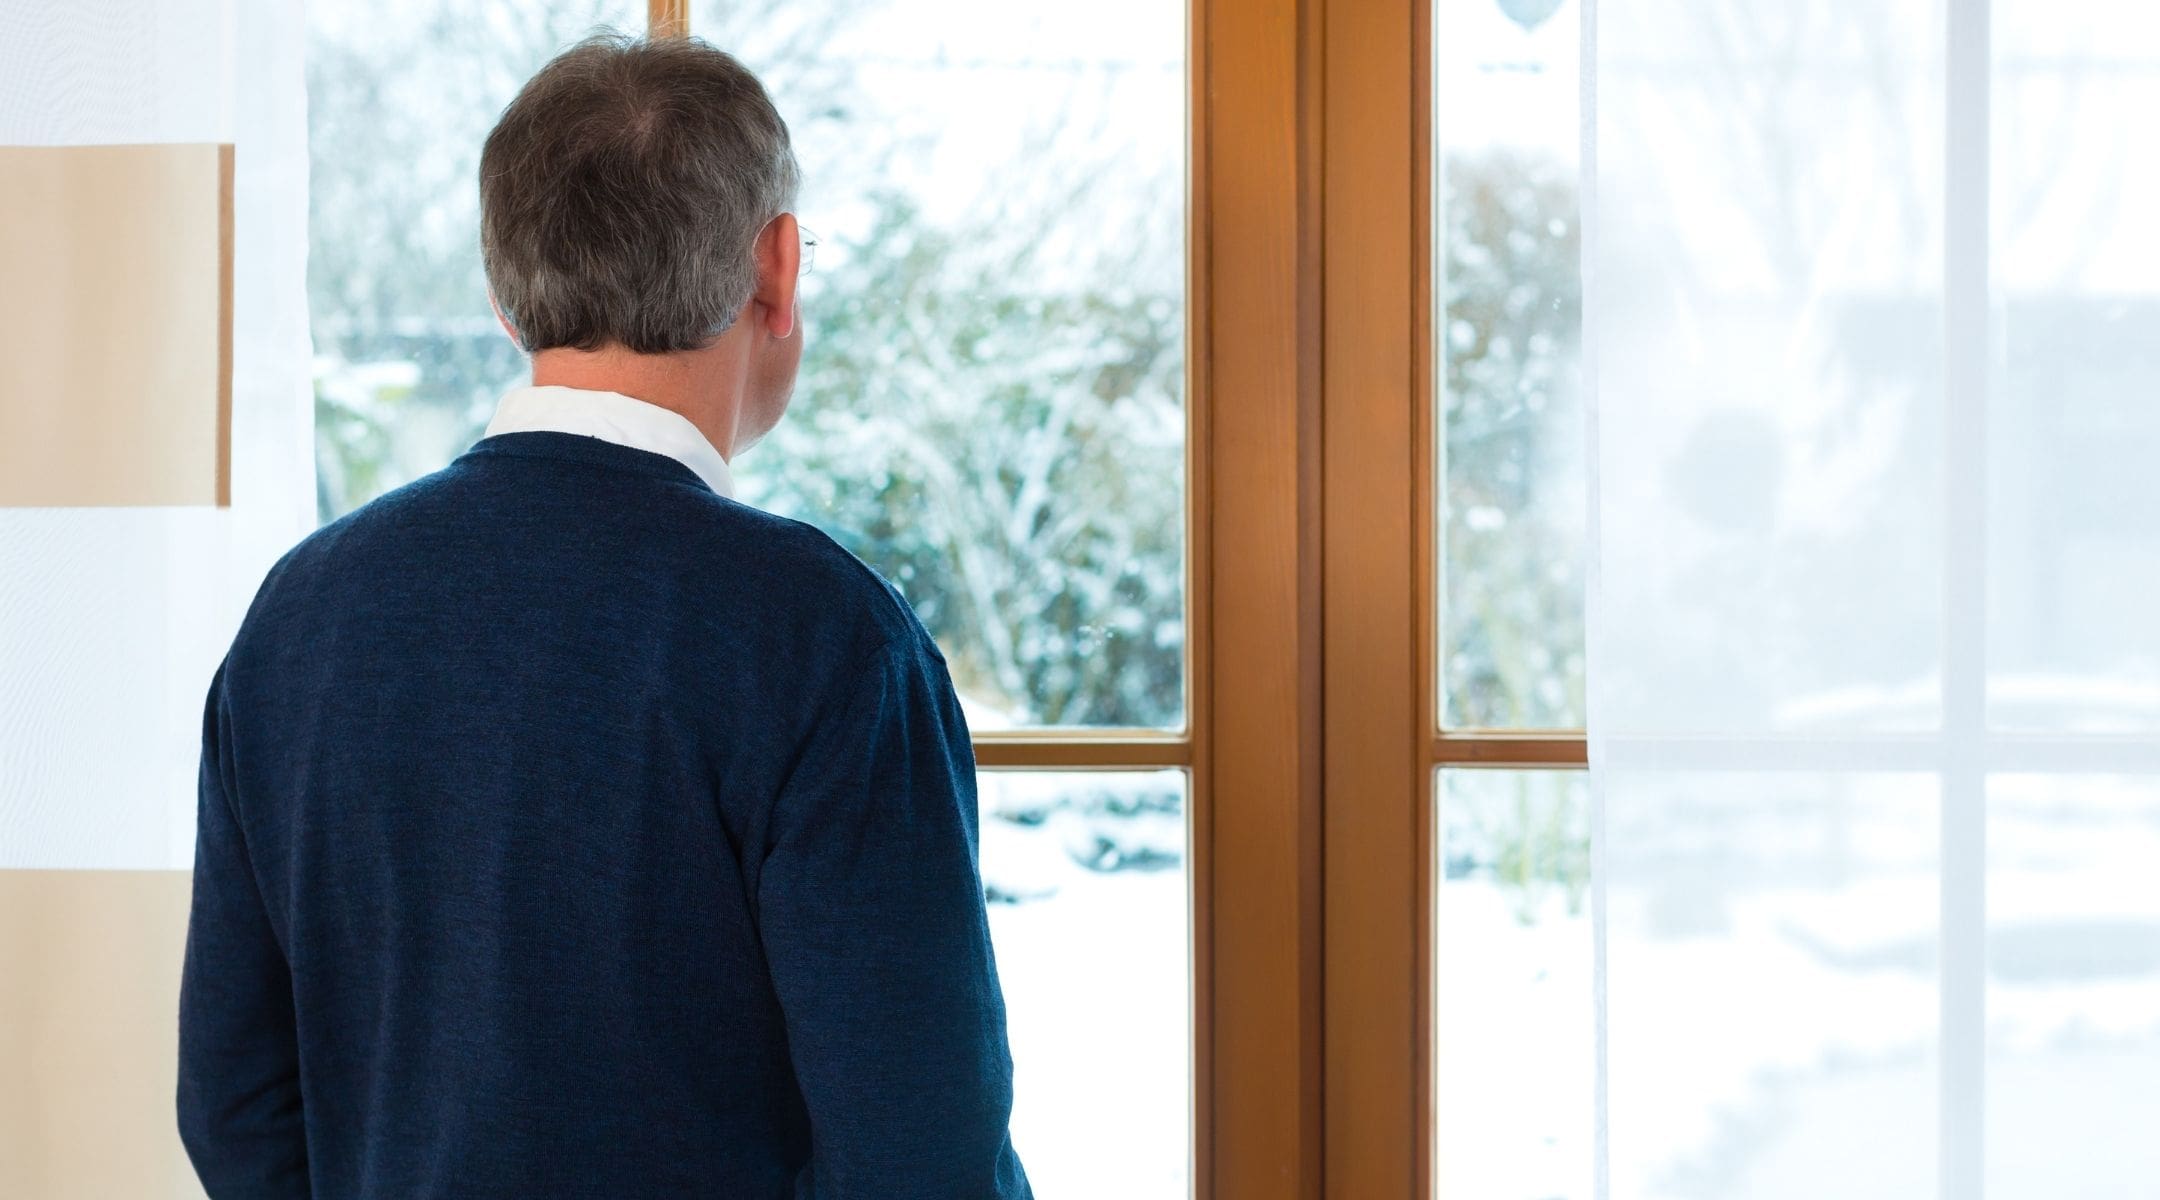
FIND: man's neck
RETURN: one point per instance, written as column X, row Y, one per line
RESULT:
column 695, row 384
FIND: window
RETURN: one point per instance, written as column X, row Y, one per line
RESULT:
column 1512, row 1054
column 1514, row 1059
column 1868, row 327
column 409, row 359
column 1216, row 380
column 1510, row 333
column 2077, row 256
column 1085, row 873
column 991, row 408
column 991, row 411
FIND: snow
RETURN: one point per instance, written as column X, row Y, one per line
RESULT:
column 1095, row 968
column 1513, row 1046
column 1096, row 991
column 1776, row 1038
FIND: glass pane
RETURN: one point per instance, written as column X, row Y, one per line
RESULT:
column 1513, row 1035
column 1772, row 990
column 2073, row 1001
column 1085, row 873
column 1769, row 275
column 2074, row 432
column 409, row 357
column 1511, row 462
column 991, row 407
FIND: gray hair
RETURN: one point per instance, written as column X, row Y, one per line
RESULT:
column 622, row 193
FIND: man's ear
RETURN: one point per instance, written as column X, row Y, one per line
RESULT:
column 508, row 328
column 779, row 259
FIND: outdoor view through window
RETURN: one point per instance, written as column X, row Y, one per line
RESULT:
column 1875, row 893
column 991, row 413
column 1511, row 1034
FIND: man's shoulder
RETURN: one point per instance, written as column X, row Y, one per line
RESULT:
column 791, row 569
column 415, row 505
column 807, row 568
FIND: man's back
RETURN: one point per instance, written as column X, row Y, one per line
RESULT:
column 588, row 834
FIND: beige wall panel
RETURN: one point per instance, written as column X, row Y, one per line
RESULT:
column 115, row 325
column 89, row 1034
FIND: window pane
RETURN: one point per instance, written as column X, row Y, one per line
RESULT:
column 991, row 407
column 1085, row 873
column 1509, row 333
column 1770, row 387
column 1513, row 1044
column 1773, row 990
column 2072, row 560
column 409, row 357
column 2073, row 1001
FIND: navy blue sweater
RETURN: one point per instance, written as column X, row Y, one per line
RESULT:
column 568, row 830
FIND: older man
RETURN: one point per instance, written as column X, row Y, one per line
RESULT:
column 568, row 828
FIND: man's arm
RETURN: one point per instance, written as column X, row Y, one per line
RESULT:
column 239, row 1099
column 871, row 909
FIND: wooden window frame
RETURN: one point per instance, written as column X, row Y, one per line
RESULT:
column 1386, row 742
column 1252, row 580
column 1311, row 576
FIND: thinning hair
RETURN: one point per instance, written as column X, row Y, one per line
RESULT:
column 623, row 191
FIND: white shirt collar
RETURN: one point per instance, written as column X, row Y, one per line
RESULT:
column 613, row 417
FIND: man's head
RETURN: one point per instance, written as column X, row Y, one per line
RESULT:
column 635, row 207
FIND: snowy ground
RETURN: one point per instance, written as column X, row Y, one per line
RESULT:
column 1774, row 1033
column 1778, row 1038
column 1095, row 969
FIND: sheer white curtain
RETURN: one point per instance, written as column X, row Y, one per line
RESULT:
column 112, row 619
column 1873, row 317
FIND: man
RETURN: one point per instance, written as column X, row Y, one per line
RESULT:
column 568, row 829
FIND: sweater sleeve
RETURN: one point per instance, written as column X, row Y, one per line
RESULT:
column 239, row 1093
column 871, row 910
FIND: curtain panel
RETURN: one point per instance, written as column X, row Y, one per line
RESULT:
column 112, row 618
column 114, row 614
column 1873, row 358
